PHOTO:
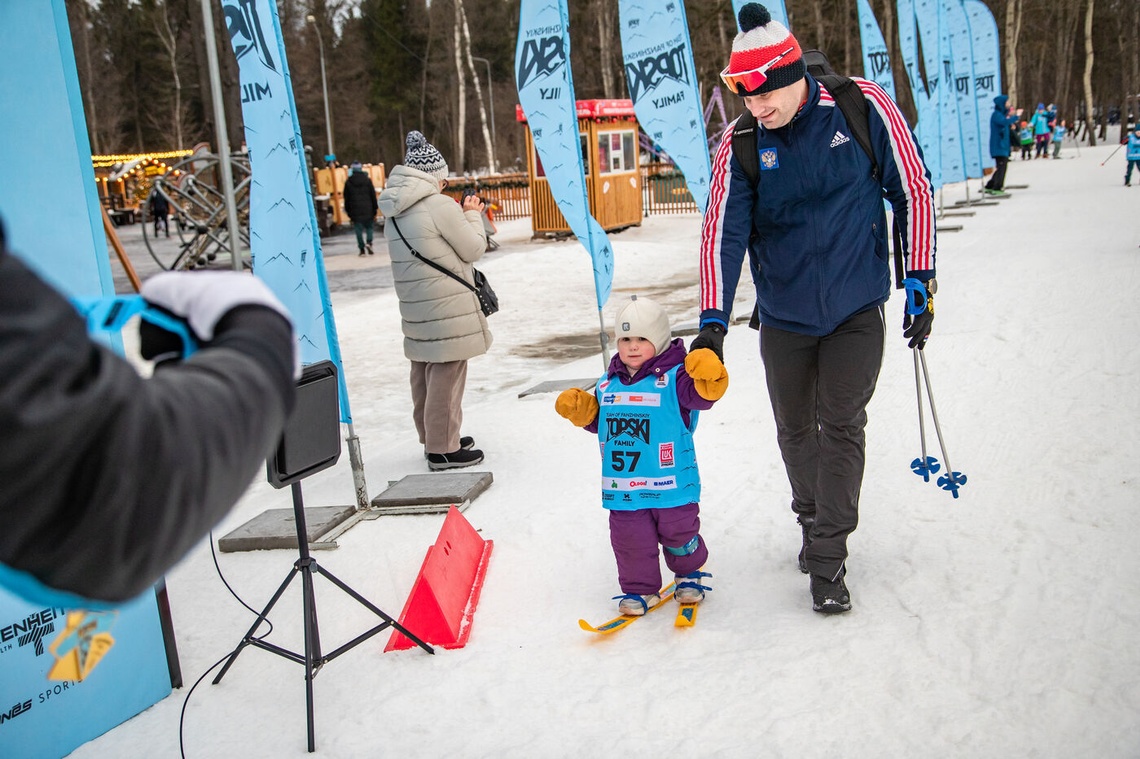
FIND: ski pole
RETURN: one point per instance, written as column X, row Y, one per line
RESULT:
column 926, row 465
column 1110, row 155
column 915, row 292
column 951, row 480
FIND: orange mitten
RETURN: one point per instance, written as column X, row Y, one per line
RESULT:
column 577, row 405
column 710, row 378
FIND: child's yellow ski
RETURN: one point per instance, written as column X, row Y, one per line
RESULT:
column 620, row 623
column 686, row 615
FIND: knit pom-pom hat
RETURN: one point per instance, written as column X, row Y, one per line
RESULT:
column 422, row 155
column 642, row 317
column 765, row 42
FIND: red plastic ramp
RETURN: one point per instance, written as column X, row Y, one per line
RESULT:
column 446, row 591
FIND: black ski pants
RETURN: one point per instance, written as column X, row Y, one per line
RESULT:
column 997, row 181
column 820, row 388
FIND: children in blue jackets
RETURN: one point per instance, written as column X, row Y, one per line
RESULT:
column 644, row 411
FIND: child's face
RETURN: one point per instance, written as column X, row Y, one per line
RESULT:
column 635, row 351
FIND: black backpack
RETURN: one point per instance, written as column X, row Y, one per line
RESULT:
column 855, row 110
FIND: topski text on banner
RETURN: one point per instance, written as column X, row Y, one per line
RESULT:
column 876, row 57
column 546, row 94
column 660, row 76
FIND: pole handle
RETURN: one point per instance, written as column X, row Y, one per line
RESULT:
column 915, row 296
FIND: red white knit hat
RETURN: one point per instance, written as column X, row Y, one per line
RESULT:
column 764, row 46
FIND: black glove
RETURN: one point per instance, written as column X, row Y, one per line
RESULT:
column 159, row 345
column 711, row 336
column 918, row 326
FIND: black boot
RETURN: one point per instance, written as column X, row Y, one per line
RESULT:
column 830, row 596
column 806, row 523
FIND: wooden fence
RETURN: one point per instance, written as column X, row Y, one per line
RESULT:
column 509, row 192
column 663, row 190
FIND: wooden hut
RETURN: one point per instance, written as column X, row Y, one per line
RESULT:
column 608, row 132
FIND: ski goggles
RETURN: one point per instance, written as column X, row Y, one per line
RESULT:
column 745, row 82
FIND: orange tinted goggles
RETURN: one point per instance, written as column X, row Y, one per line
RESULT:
column 749, row 81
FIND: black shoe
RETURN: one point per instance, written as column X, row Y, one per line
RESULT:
column 806, row 523
column 361, row 252
column 466, row 443
column 455, row 459
column 829, row 597
column 368, row 247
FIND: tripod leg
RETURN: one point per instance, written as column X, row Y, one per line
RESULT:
column 312, row 647
column 257, row 623
column 374, row 609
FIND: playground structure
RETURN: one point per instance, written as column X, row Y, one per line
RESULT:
column 192, row 189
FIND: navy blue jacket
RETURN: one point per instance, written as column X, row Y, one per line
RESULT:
column 815, row 229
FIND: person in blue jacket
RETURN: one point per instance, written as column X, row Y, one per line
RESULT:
column 1000, row 122
column 816, row 236
column 1132, row 153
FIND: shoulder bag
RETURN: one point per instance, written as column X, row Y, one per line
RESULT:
column 488, row 301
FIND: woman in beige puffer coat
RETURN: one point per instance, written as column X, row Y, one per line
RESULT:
column 441, row 319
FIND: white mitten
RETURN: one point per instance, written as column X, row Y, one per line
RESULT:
column 203, row 298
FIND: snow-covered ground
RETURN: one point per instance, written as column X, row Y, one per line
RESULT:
column 1002, row 623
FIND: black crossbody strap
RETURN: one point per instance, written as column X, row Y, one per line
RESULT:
column 429, row 262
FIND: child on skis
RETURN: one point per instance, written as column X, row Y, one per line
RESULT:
column 1026, row 137
column 1132, row 154
column 644, row 410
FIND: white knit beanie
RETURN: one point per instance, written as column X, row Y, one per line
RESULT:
column 642, row 317
column 422, row 155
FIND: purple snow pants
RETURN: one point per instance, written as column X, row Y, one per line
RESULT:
column 636, row 535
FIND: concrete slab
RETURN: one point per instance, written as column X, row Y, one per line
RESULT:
column 431, row 493
column 276, row 528
column 557, row 386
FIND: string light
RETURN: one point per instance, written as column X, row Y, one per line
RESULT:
column 105, row 161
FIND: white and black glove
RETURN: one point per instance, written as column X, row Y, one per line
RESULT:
column 203, row 300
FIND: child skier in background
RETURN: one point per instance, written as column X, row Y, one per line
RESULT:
column 1132, row 153
column 1059, row 132
column 644, row 411
column 1026, row 137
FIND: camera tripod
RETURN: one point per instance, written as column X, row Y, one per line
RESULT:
column 313, row 658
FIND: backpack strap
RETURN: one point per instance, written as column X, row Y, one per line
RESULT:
column 744, row 146
column 853, row 104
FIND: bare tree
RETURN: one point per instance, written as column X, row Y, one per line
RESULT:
column 603, row 15
column 478, row 87
column 1012, row 33
column 1088, row 74
column 169, row 42
column 461, row 86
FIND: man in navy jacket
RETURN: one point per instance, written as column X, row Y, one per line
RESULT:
column 815, row 232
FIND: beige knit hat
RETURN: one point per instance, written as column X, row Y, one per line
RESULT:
column 642, row 317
